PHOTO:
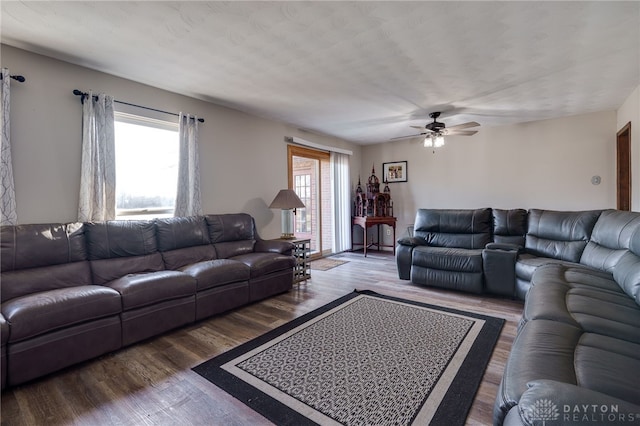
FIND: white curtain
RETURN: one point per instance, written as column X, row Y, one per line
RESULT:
column 188, row 195
column 341, row 199
column 98, row 170
column 8, row 193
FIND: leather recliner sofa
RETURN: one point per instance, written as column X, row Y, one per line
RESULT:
column 72, row 292
column 578, row 344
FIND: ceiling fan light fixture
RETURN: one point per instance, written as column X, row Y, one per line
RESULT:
column 438, row 141
column 428, row 142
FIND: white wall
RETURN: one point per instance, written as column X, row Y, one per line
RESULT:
column 630, row 112
column 544, row 164
column 243, row 157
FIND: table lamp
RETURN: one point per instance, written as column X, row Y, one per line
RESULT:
column 288, row 201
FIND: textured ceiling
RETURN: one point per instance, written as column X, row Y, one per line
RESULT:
column 361, row 71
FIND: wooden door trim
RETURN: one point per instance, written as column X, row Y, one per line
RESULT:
column 623, row 136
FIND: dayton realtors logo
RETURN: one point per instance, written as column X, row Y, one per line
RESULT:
column 544, row 410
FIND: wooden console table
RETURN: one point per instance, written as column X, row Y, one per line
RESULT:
column 366, row 222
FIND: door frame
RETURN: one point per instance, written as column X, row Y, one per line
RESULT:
column 623, row 168
column 314, row 154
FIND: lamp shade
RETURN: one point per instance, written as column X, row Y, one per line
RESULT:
column 286, row 199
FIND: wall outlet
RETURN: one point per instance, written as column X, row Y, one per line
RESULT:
column 388, row 231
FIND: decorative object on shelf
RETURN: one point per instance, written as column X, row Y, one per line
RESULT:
column 288, row 201
column 373, row 202
column 394, row 172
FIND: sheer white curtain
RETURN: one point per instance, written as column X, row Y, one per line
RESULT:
column 188, row 195
column 98, row 170
column 341, row 199
column 8, row 194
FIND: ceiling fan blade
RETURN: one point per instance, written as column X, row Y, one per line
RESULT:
column 464, row 125
column 459, row 132
column 408, row 136
column 423, row 129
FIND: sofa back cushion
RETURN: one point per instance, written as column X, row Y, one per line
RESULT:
column 559, row 234
column 32, row 246
column 180, row 232
column 611, row 239
column 469, row 229
column 21, row 282
column 230, row 227
column 120, row 247
column 234, row 248
column 627, row 271
column 615, row 248
column 184, row 241
column 509, row 226
column 120, row 238
column 179, row 258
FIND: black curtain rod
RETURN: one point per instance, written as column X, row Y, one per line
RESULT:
column 83, row 95
column 18, row 78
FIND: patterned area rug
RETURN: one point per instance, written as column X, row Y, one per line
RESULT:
column 363, row 359
column 326, row 263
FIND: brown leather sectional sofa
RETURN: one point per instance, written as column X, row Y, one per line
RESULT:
column 71, row 292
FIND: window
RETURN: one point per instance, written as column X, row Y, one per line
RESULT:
column 147, row 152
column 302, row 187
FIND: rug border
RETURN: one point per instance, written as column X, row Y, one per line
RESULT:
column 459, row 395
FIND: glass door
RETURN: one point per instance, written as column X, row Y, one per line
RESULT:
column 309, row 177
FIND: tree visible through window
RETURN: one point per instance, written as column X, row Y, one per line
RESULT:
column 147, row 153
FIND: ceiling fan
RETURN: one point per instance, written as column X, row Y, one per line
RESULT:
column 435, row 131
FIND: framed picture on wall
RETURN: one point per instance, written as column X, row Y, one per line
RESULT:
column 394, row 172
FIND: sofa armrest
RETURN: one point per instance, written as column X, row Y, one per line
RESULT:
column 273, row 246
column 412, row 241
column 564, row 403
column 404, row 253
column 503, row 246
column 499, row 267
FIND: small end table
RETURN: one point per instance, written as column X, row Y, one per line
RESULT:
column 366, row 222
column 302, row 253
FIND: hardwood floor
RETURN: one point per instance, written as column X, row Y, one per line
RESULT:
column 151, row 383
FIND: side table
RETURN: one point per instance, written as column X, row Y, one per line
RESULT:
column 366, row 222
column 302, row 253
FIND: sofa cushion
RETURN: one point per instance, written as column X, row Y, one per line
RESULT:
column 627, row 275
column 262, row 264
column 105, row 270
column 527, row 264
column 587, row 299
column 4, row 330
column 179, row 258
column 546, row 349
column 26, row 281
column 468, row 229
column 230, row 227
column 180, row 232
column 234, row 248
column 611, row 239
column 509, row 226
column 138, row 290
column 448, row 259
column 214, row 273
column 31, row 246
column 559, row 234
column 47, row 311
column 121, row 238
